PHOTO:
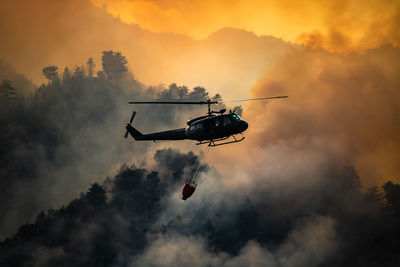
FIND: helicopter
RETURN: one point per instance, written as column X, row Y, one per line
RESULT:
column 213, row 129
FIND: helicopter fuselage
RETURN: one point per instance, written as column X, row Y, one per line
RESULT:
column 215, row 127
column 203, row 128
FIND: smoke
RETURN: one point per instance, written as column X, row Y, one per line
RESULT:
column 184, row 251
column 66, row 33
column 354, row 26
column 340, row 26
column 293, row 174
column 341, row 111
column 289, row 195
column 220, row 226
column 69, row 133
column 90, row 226
column 143, row 222
column 7, row 72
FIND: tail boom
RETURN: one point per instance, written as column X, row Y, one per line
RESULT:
column 177, row 134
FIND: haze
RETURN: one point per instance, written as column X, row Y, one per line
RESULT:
column 314, row 183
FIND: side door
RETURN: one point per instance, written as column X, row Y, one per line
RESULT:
column 209, row 127
column 219, row 125
column 200, row 129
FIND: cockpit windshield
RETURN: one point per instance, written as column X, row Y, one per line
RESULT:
column 235, row 117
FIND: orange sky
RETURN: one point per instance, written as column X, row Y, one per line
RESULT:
column 336, row 25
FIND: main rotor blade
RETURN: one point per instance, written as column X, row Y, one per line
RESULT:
column 203, row 102
column 174, row 102
column 132, row 117
column 249, row 99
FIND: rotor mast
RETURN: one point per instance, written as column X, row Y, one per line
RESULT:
column 209, row 103
column 209, row 106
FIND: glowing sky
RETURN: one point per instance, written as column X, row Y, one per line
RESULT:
column 335, row 25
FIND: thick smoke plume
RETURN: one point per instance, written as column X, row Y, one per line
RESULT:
column 340, row 26
column 345, row 105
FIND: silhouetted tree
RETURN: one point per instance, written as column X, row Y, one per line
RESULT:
column 217, row 97
column 90, row 66
column 174, row 92
column 114, row 64
column 8, row 93
column 373, row 194
column 51, row 73
column 66, row 75
column 78, row 73
column 349, row 180
column 96, row 195
column 391, row 194
column 101, row 74
column 40, row 218
column 199, row 93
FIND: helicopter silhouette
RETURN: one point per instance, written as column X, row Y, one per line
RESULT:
column 213, row 129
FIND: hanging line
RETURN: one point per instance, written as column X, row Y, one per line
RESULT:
column 203, row 156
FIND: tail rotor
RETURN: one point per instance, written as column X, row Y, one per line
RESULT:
column 130, row 121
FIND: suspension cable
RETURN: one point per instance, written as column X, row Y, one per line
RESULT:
column 201, row 159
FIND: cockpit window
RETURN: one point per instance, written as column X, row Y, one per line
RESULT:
column 235, row 117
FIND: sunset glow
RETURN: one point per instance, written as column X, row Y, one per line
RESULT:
column 333, row 25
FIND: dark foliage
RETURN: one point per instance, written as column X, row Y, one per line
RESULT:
column 114, row 64
column 8, row 93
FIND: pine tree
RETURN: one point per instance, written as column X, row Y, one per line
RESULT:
column 90, row 66
column 66, row 75
column 114, row 64
column 51, row 73
column 8, row 94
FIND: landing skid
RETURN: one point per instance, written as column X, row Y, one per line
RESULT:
column 215, row 142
